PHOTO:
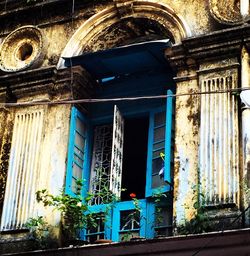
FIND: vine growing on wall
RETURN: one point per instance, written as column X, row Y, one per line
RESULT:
column 200, row 221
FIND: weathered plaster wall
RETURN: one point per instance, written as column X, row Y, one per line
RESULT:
column 54, row 159
column 245, row 184
column 245, row 82
column 195, row 13
column 6, row 125
column 59, row 28
column 186, row 151
column 55, row 144
column 51, row 161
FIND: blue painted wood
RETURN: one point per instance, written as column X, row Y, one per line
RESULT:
column 143, row 219
column 168, row 138
column 149, row 173
column 143, row 85
column 87, row 159
column 68, row 181
column 136, row 58
column 75, row 115
column 129, row 81
column 167, row 149
column 150, row 155
column 124, row 206
column 107, row 210
column 150, row 231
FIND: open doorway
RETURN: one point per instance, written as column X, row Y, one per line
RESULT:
column 135, row 157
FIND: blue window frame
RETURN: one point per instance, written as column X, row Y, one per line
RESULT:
column 158, row 174
column 127, row 222
column 77, row 161
column 160, row 149
column 159, row 217
column 103, row 214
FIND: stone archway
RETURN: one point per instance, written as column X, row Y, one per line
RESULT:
column 115, row 26
column 159, row 21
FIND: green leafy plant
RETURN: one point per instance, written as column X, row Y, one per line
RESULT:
column 159, row 199
column 133, row 218
column 136, row 203
column 74, row 209
column 41, row 232
column 200, row 222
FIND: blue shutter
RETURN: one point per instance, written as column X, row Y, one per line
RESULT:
column 169, row 143
column 121, row 215
column 77, row 151
column 160, row 149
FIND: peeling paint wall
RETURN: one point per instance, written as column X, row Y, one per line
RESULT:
column 40, row 138
column 219, row 139
column 245, row 182
column 54, row 157
column 58, row 30
column 6, row 124
column 186, row 151
column 46, row 167
column 98, row 26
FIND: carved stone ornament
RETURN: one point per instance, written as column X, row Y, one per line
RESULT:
column 22, row 49
column 230, row 11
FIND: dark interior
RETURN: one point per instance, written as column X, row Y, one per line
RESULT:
column 135, row 157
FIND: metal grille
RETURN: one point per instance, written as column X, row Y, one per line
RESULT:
column 106, row 171
column 117, row 153
column 219, row 160
column 23, row 172
column 101, row 162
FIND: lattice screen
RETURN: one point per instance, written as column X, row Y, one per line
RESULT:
column 101, row 162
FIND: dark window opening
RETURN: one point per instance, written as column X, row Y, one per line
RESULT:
column 25, row 51
column 135, row 157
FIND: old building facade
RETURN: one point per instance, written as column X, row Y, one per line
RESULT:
column 144, row 95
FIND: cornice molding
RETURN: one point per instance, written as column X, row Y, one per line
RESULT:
column 48, row 80
column 212, row 46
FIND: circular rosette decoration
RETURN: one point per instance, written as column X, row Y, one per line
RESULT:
column 22, row 49
column 228, row 11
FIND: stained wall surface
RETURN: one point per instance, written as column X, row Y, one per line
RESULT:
column 207, row 39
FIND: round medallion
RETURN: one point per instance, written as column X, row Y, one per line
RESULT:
column 22, row 49
column 231, row 12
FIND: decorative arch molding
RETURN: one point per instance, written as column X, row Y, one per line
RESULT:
column 151, row 10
